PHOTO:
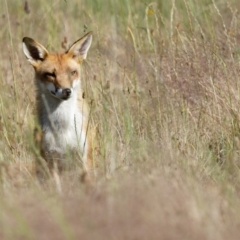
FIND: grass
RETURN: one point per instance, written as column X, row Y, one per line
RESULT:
column 162, row 79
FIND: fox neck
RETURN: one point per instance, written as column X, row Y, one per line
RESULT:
column 54, row 113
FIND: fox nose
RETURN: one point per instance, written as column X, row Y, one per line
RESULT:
column 66, row 93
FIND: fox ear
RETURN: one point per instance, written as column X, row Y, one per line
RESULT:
column 33, row 51
column 80, row 48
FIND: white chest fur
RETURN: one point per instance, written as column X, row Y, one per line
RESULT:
column 62, row 124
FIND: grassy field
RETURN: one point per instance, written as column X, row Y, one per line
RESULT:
column 162, row 80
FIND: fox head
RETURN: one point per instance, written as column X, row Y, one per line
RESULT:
column 57, row 74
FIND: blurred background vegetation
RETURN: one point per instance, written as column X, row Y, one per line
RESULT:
column 162, row 80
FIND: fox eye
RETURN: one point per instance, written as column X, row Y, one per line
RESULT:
column 49, row 74
column 74, row 72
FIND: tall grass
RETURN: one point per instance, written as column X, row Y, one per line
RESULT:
column 162, row 80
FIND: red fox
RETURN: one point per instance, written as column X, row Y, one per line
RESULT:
column 61, row 107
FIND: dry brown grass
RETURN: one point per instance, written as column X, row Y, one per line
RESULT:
column 163, row 80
